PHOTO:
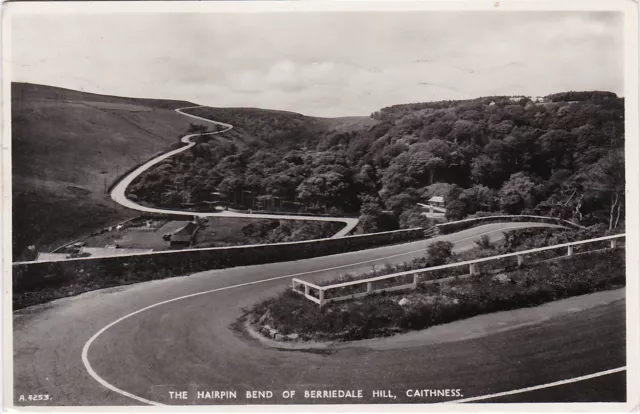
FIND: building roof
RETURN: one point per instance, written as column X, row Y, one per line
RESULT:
column 187, row 230
column 437, row 199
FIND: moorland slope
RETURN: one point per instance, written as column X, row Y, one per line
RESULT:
column 68, row 147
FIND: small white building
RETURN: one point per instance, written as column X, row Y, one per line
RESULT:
column 436, row 201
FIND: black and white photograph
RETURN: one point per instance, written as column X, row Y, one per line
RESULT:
column 339, row 204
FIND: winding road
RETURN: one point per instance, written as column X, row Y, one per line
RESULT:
column 139, row 344
column 118, row 193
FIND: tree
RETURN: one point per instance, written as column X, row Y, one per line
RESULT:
column 426, row 157
column 414, row 218
column 496, row 150
column 400, row 202
column 557, row 149
column 515, row 194
column 437, row 147
column 435, row 129
column 365, row 180
column 282, row 185
column 486, row 172
column 439, row 253
column 604, row 184
column 423, row 164
column 372, row 217
column 464, row 131
column 395, row 179
column 455, row 210
column 479, row 198
column 322, row 189
column 231, row 187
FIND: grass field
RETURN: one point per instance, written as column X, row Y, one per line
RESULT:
column 223, row 231
column 67, row 148
column 227, row 231
column 137, row 239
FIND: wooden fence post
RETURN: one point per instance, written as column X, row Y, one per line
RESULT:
column 321, row 297
column 415, row 280
column 369, row 287
column 520, row 260
column 570, row 251
column 614, row 243
column 306, row 289
column 472, row 269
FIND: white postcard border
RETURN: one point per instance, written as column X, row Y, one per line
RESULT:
column 632, row 162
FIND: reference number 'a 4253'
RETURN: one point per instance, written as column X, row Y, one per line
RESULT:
column 34, row 397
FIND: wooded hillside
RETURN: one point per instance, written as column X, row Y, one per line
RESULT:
column 561, row 155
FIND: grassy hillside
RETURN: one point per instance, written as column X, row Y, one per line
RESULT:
column 67, row 147
column 267, row 127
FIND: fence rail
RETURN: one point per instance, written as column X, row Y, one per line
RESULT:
column 308, row 289
column 458, row 225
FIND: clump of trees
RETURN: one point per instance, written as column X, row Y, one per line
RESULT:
column 562, row 156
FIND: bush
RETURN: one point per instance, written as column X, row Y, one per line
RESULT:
column 484, row 242
column 455, row 210
column 439, row 253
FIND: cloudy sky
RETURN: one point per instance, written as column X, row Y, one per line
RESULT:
column 330, row 64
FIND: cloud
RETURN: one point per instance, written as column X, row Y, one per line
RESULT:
column 326, row 64
column 291, row 76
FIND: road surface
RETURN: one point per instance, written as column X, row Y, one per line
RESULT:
column 135, row 344
column 118, row 193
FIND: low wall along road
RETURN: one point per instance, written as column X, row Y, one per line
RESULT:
column 29, row 278
column 118, row 192
column 42, row 281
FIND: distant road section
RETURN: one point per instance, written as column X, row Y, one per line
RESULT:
column 118, row 193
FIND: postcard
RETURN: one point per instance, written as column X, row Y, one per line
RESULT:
column 339, row 206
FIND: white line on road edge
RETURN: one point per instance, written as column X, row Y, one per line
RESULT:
column 85, row 348
column 538, row 387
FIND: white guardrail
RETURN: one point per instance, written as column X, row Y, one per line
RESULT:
column 320, row 299
column 511, row 217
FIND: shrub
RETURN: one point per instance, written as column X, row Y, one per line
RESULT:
column 484, row 242
column 438, row 253
column 455, row 210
